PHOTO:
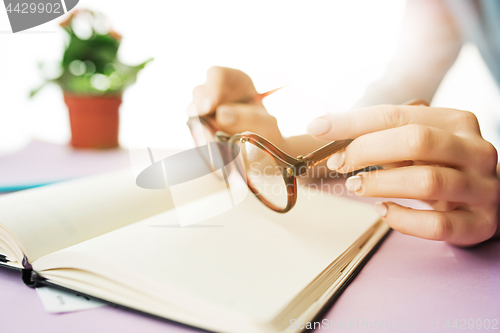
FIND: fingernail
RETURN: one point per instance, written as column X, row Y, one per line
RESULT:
column 206, row 105
column 226, row 116
column 318, row 126
column 336, row 161
column 380, row 208
column 353, row 183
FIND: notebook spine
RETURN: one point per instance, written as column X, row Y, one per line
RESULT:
column 29, row 276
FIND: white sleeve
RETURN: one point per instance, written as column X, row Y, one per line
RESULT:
column 428, row 46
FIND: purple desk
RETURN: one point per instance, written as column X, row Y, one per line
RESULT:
column 41, row 163
column 409, row 285
column 411, row 282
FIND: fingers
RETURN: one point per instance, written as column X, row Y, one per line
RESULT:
column 413, row 143
column 223, row 85
column 436, row 155
column 352, row 124
column 234, row 118
column 417, row 101
column 203, row 100
column 397, row 164
column 425, row 183
column 459, row 227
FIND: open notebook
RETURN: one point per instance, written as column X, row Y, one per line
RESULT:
column 246, row 270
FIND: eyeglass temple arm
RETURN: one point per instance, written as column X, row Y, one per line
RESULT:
column 324, row 152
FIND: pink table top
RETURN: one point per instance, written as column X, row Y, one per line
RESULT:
column 409, row 285
column 41, row 163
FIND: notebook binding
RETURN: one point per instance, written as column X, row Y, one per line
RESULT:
column 29, row 276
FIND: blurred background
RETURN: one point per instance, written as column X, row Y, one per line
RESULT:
column 326, row 51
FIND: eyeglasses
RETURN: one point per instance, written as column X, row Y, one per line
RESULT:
column 270, row 173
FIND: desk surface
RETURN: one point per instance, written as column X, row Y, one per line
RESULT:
column 409, row 285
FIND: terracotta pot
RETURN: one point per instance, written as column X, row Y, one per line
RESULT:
column 94, row 120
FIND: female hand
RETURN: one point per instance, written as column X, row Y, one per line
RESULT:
column 230, row 94
column 433, row 154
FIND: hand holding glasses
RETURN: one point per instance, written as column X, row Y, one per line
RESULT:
column 270, row 173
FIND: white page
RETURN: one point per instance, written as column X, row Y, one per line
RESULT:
column 46, row 219
column 249, row 261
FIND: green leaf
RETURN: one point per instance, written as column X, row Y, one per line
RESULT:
column 100, row 51
column 35, row 91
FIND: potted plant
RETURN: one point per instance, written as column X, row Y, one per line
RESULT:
column 92, row 79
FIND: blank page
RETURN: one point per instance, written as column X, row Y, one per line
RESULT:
column 249, row 261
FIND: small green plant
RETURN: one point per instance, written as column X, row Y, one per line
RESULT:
column 90, row 64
